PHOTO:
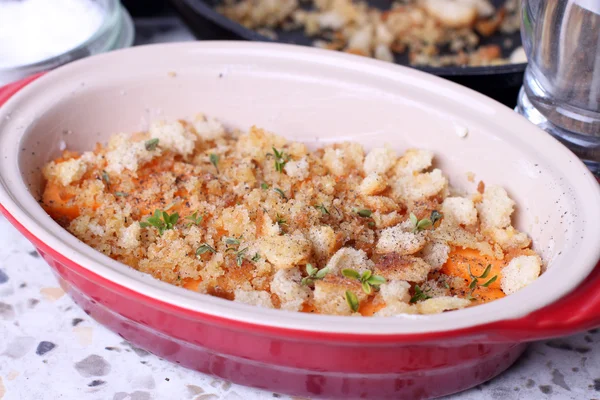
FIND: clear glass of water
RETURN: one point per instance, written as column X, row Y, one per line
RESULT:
column 561, row 88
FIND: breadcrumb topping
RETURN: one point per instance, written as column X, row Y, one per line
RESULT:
column 254, row 218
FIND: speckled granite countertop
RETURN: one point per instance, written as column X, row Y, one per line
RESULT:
column 50, row 349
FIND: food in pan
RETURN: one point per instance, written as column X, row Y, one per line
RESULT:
column 255, row 218
column 433, row 33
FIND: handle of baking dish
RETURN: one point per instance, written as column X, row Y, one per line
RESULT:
column 576, row 312
column 7, row 91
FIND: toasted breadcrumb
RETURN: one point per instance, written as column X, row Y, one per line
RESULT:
column 439, row 304
column 173, row 136
column 66, row 172
column 254, row 298
column 495, row 208
column 398, row 240
column 372, row 184
column 286, row 251
column 380, row 160
column 520, row 272
column 286, row 285
column 460, row 209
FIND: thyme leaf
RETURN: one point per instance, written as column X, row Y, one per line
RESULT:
column 161, row 220
column 195, row 218
column 281, row 159
column 352, row 301
column 419, row 295
column 363, row 212
column 475, row 280
column 151, row 144
column 322, row 208
column 281, row 193
column 419, row 225
column 204, row 248
column 313, row 274
column 214, row 160
column 367, row 280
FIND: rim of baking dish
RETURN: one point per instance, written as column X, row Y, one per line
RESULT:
column 20, row 204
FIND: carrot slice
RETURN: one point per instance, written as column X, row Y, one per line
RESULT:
column 191, row 284
column 368, row 307
column 56, row 200
column 460, row 260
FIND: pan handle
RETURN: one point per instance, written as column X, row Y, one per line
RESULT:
column 578, row 311
column 7, row 91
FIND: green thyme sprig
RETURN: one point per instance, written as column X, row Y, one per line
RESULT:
column 105, row 178
column 232, row 241
column 419, row 295
column 214, row 160
column 367, row 280
column 233, row 244
column 281, row 193
column 161, row 220
column 280, row 220
column 204, row 248
column 313, row 274
column 194, row 218
column 475, row 280
column 239, row 256
column 322, row 208
column 419, row 225
column 281, row 159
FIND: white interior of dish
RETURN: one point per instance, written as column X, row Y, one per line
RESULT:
column 313, row 96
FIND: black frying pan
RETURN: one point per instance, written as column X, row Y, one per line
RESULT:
column 499, row 82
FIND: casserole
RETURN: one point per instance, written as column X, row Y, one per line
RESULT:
column 317, row 97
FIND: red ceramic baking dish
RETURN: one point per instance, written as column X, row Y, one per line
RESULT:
column 314, row 96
